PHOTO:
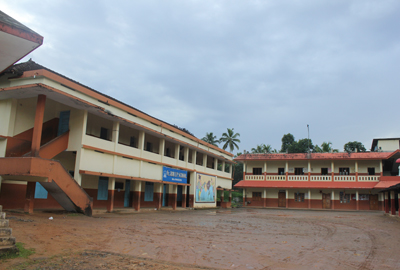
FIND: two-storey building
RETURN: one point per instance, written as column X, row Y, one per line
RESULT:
column 63, row 143
column 319, row 180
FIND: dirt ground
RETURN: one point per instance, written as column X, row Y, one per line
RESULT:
column 208, row 239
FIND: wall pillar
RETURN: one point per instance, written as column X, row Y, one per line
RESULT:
column 184, row 189
column 333, row 171
column 387, row 202
column 333, row 200
column 264, row 197
column 38, row 125
column 357, row 201
column 137, row 193
column 110, row 201
column 158, row 191
column 29, row 197
column 244, row 197
column 392, row 204
column 309, row 170
column 309, row 199
column 356, row 169
column 287, row 197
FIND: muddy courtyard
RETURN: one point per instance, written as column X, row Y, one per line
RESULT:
column 208, row 239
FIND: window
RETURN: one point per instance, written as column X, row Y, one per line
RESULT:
column 104, row 133
column 257, row 171
column 344, row 171
column 256, row 196
column 281, row 171
column 299, row 197
column 298, row 171
column 149, row 192
column 132, row 142
column 119, row 185
column 181, row 153
column 167, row 152
column 371, row 171
column 344, row 198
column 324, row 171
column 149, row 146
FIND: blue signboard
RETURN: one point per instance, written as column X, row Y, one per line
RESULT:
column 174, row 175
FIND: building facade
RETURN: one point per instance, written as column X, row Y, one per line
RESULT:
column 347, row 181
column 65, row 144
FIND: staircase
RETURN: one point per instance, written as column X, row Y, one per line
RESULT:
column 7, row 242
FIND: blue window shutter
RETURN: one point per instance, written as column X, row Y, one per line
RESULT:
column 102, row 192
column 63, row 122
column 40, row 192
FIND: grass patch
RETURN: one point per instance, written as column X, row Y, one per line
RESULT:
column 22, row 252
column 74, row 214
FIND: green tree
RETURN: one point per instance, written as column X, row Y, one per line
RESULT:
column 230, row 140
column 301, row 146
column 287, row 140
column 262, row 148
column 352, row 146
column 211, row 139
column 325, row 148
column 237, row 171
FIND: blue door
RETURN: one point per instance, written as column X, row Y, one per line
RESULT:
column 179, row 195
column 102, row 191
column 149, row 192
column 127, row 194
column 164, row 198
column 40, row 192
column 63, row 122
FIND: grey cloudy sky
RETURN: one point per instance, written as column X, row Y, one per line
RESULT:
column 265, row 68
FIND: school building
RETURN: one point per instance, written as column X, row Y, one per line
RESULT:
column 63, row 144
column 340, row 181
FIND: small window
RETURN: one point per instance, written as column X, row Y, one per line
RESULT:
column 256, row 196
column 119, row 185
column 167, row 152
column 324, row 171
column 344, row 171
column 149, row 147
column 298, row 171
column 257, row 171
column 281, row 171
column 344, row 198
column 371, row 171
column 299, row 197
column 104, row 133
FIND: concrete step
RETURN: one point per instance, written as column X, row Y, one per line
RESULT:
column 2, row 215
column 7, row 241
column 11, row 249
column 5, row 232
column 4, row 223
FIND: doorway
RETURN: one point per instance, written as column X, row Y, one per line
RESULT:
column 282, row 199
column 127, row 194
column 326, row 201
column 164, row 199
column 373, row 202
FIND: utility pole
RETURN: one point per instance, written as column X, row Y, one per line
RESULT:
column 308, row 130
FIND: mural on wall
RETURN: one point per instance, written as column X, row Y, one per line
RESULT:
column 205, row 188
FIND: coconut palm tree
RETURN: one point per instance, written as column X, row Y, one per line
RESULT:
column 211, row 139
column 230, row 139
column 262, row 148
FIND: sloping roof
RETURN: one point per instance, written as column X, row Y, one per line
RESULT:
column 305, row 184
column 5, row 19
column 315, row 156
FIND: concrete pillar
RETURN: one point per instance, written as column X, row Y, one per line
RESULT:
column 287, row 198
column 110, row 201
column 387, row 202
column 230, row 197
column 29, row 197
column 115, row 133
column 392, row 204
column 184, row 189
column 309, row 170
column 222, row 196
column 194, row 158
column 78, row 119
column 264, row 197
column 137, row 193
column 244, row 170
column 38, row 125
column 158, row 191
column 356, row 170
column 333, row 171
column 333, row 200
column 215, row 163
column 265, row 169
column 357, row 201
column 287, row 175
column 186, row 155
column 177, row 146
column 309, row 199
column 244, row 197
column 141, row 141
column 204, row 160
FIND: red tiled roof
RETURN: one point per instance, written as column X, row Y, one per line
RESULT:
column 316, row 156
column 305, row 184
column 386, row 184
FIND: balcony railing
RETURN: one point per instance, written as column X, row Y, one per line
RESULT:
column 315, row 178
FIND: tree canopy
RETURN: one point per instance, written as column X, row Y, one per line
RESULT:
column 230, row 139
column 262, row 148
column 325, row 148
column 211, row 139
column 352, row 146
column 291, row 146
